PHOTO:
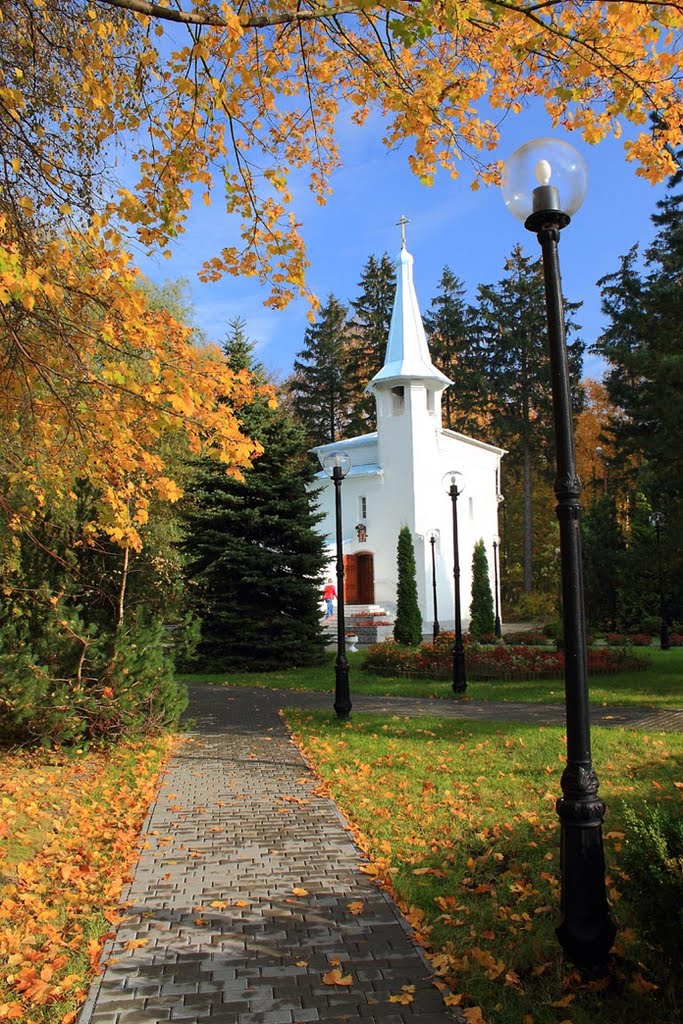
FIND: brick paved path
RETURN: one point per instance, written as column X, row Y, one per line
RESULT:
column 237, row 823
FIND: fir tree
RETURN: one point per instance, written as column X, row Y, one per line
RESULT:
column 368, row 335
column 454, row 347
column 318, row 387
column 254, row 557
column 482, row 620
column 643, row 346
column 408, row 624
column 511, row 323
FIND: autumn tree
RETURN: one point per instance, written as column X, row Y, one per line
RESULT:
column 367, row 338
column 246, row 96
column 318, row 387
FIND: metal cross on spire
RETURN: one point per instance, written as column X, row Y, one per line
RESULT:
column 402, row 224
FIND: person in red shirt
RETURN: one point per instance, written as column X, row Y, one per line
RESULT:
column 329, row 596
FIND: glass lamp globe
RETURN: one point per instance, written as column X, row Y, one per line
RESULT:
column 546, row 174
column 336, row 460
column 453, row 478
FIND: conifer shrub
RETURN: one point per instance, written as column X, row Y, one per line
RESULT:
column 482, row 620
column 408, row 624
column 63, row 681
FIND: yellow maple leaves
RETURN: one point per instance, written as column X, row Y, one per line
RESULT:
column 70, row 820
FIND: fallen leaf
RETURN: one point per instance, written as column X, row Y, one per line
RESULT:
column 406, row 997
column 357, row 907
column 565, row 1001
column 335, row 977
column 135, row 943
column 300, row 892
column 473, row 1015
column 640, row 985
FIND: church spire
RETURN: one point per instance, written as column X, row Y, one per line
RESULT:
column 407, row 355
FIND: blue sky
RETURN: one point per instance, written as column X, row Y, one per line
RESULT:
column 471, row 232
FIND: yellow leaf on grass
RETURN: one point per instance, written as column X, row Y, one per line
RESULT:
column 473, row 1015
column 453, row 999
column 335, row 977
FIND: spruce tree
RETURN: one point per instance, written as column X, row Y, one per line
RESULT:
column 511, row 324
column 318, row 387
column 368, row 335
column 482, row 620
column 643, row 346
column 455, row 349
column 254, row 556
column 408, row 624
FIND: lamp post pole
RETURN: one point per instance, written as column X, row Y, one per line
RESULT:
column 337, row 465
column 436, row 629
column 496, row 628
column 586, row 931
column 664, row 641
column 459, row 677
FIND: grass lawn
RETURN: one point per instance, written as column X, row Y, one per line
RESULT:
column 68, row 839
column 460, row 824
column 661, row 685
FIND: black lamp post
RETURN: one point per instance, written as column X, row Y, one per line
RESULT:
column 657, row 519
column 496, row 627
column 337, row 465
column 586, row 931
column 453, row 482
column 436, row 629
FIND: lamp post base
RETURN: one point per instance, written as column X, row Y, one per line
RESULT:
column 342, row 692
column 586, row 932
column 459, row 679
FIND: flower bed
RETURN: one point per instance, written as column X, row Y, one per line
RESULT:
column 435, row 661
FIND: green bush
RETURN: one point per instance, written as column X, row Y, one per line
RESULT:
column 653, row 859
column 531, row 608
column 62, row 682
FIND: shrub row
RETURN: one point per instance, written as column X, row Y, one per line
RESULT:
column 434, row 660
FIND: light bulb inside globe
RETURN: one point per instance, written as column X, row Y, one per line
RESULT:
column 543, row 172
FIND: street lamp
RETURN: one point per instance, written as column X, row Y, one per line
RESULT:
column 544, row 183
column 454, row 484
column 337, row 465
column 657, row 519
column 496, row 628
column 437, row 629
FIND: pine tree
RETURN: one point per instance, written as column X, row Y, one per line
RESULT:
column 408, row 624
column 254, row 556
column 455, row 349
column 482, row 620
column 511, row 323
column 368, row 335
column 318, row 387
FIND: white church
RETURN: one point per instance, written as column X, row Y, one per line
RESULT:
column 396, row 479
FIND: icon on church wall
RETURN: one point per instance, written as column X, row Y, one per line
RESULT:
column 362, row 533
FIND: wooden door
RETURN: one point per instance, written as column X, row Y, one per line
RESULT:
column 351, row 580
column 366, row 578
